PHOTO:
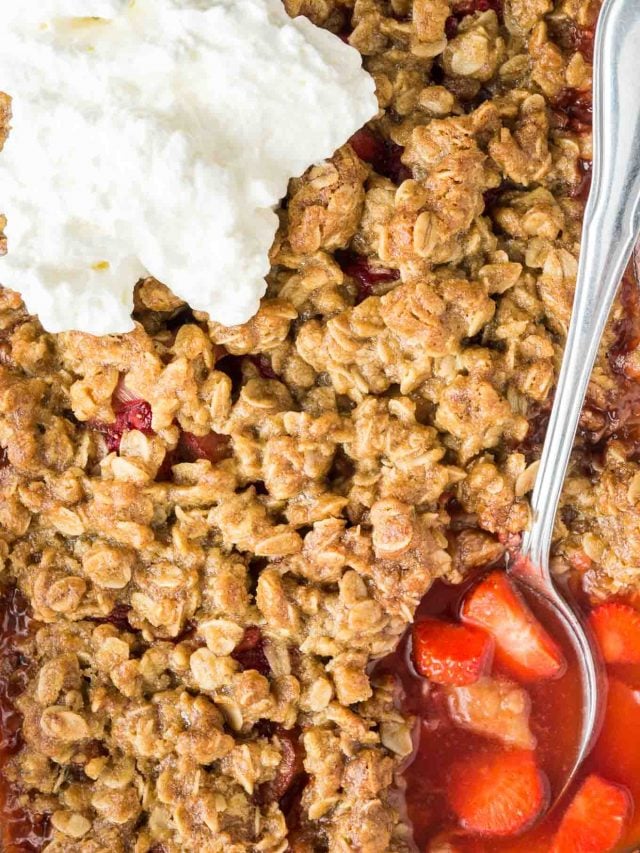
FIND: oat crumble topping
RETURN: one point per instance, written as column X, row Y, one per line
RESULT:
column 217, row 530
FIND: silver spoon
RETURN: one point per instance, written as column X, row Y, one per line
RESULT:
column 610, row 230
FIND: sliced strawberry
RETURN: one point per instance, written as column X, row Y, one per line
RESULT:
column 497, row 793
column 617, row 752
column 523, row 647
column 595, row 819
column 451, row 654
column 617, row 630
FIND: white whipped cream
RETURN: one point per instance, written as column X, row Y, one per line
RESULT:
column 157, row 141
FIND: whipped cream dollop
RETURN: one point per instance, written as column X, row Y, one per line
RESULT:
column 155, row 137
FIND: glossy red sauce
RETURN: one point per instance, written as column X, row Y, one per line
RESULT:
column 19, row 832
column 556, row 710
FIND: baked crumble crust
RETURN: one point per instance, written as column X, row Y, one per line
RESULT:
column 219, row 529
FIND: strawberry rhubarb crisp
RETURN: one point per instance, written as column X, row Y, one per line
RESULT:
column 214, row 541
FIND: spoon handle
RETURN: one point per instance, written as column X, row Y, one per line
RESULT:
column 611, row 227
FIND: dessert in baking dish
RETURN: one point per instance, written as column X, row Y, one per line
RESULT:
column 215, row 539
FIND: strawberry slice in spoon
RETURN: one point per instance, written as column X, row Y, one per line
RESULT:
column 523, row 646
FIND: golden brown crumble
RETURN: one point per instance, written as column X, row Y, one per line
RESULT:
column 218, row 529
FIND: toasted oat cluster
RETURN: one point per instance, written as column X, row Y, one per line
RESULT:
column 217, row 530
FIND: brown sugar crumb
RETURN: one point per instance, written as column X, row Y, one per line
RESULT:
column 214, row 531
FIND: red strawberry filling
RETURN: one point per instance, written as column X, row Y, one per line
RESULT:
column 213, row 446
column 250, row 652
column 574, row 110
column 132, row 414
column 366, row 275
column 382, row 154
column 289, row 769
column 496, row 687
column 469, row 7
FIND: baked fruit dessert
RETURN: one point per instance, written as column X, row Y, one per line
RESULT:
column 252, row 593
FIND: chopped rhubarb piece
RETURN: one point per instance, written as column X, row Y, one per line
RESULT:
column 595, row 819
column 497, row 793
column 583, row 39
column 523, row 646
column 495, row 708
column 447, row 653
column 214, row 447
column 617, row 630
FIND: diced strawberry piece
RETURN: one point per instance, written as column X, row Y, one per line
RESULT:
column 214, row 447
column 136, row 415
column 451, row 654
column 617, row 629
column 595, row 819
column 497, row 793
column 130, row 415
column 523, row 647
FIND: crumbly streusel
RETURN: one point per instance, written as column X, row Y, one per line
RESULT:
column 218, row 529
